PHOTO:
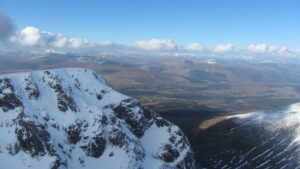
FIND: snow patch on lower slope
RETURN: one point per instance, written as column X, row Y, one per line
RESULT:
column 282, row 125
column 278, row 119
column 263, row 139
column 70, row 118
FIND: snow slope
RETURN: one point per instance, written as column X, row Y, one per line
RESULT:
column 264, row 139
column 70, row 118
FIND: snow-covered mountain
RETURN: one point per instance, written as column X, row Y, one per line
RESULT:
column 70, row 118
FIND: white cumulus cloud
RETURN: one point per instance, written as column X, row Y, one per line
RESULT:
column 77, row 42
column 156, row 44
column 28, row 36
column 194, row 47
column 266, row 49
column 223, row 48
column 60, row 41
column 33, row 37
column 106, row 43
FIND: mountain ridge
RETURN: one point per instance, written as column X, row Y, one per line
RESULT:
column 70, row 118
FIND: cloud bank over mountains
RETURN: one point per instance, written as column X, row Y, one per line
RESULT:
column 30, row 37
column 33, row 37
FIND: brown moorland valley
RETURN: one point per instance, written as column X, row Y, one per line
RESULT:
column 192, row 92
column 197, row 86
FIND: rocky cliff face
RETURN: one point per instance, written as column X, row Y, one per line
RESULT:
column 70, row 118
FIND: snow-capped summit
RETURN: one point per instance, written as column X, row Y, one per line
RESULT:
column 70, row 118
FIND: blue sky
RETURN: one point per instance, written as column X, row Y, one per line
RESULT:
column 209, row 22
